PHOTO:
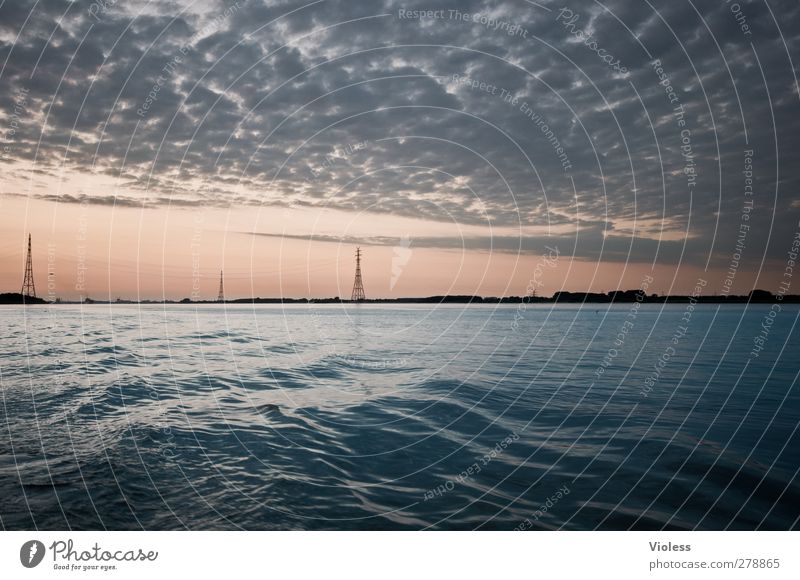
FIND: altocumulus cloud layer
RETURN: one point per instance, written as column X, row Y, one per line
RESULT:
column 623, row 126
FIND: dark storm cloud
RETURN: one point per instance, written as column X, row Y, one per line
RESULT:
column 355, row 105
column 589, row 244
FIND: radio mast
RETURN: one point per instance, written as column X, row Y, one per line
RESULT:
column 358, row 285
column 28, row 287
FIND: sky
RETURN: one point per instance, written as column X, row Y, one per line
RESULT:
column 491, row 148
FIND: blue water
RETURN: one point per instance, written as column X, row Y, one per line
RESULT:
column 406, row 417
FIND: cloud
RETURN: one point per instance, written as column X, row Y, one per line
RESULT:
column 254, row 103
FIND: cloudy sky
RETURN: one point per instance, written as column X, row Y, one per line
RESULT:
column 147, row 145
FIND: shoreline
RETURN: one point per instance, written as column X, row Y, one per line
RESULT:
column 627, row 297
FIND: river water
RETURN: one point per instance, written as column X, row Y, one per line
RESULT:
column 403, row 417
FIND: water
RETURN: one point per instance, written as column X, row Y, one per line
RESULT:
column 406, row 417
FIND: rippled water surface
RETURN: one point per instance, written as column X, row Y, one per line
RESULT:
column 371, row 417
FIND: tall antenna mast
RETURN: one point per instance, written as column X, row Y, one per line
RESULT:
column 28, row 287
column 358, row 285
column 221, row 295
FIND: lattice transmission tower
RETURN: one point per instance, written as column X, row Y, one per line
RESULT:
column 358, row 285
column 28, row 286
column 221, row 295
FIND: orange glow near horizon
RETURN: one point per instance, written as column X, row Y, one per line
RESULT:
column 107, row 252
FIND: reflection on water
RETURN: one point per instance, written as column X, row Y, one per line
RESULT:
column 367, row 417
